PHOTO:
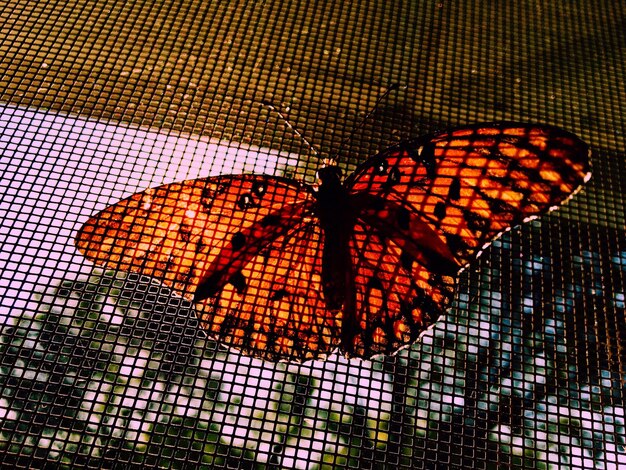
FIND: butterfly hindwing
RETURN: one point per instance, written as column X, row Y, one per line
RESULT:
column 397, row 295
column 275, row 308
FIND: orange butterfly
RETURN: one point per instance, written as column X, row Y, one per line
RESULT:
column 282, row 270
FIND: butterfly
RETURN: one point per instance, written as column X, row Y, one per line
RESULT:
column 283, row 270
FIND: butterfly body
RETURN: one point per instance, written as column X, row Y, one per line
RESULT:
column 336, row 219
column 285, row 271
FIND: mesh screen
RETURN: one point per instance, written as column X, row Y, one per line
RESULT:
column 102, row 368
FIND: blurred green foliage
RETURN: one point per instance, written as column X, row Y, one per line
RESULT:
column 113, row 371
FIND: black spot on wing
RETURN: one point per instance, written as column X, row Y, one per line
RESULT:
column 555, row 193
column 509, row 182
column 474, row 221
column 440, row 210
column 429, row 308
column 210, row 192
column 403, row 217
column 423, row 155
column 374, row 284
column 184, row 273
column 496, row 205
column 200, row 246
column 278, row 294
column 394, row 176
column 185, row 232
column 265, row 254
column 454, row 193
column 259, row 188
column 406, row 261
column 238, row 280
column 208, row 288
column 270, row 220
column 246, row 201
column 212, row 284
column 238, row 241
column 456, row 243
column 381, row 167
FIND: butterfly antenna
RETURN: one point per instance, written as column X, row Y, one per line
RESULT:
column 293, row 129
column 390, row 88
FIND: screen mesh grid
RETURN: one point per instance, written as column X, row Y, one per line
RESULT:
column 102, row 368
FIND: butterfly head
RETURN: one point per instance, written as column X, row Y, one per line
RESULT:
column 330, row 174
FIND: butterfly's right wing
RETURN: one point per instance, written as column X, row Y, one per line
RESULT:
column 402, row 286
column 471, row 184
column 427, row 207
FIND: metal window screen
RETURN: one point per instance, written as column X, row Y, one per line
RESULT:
column 104, row 369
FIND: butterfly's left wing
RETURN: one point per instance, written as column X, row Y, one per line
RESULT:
column 273, row 305
column 245, row 248
column 427, row 207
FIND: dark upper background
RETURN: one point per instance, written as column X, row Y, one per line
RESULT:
column 204, row 67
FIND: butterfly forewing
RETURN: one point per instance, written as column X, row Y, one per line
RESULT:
column 471, row 184
column 173, row 232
